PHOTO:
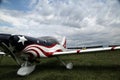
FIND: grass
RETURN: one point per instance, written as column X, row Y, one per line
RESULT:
column 99, row 66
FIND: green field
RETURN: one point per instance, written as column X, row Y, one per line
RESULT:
column 99, row 66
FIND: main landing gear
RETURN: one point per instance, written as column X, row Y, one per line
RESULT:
column 26, row 69
column 67, row 65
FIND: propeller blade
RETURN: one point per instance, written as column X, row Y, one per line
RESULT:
column 8, row 51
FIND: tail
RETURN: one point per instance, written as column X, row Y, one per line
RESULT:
column 63, row 43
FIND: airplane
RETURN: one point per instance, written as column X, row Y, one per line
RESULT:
column 27, row 51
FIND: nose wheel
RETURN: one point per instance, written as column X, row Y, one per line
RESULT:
column 67, row 65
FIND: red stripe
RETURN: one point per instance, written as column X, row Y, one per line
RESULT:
column 42, row 45
column 34, row 51
column 32, row 45
column 64, row 45
column 48, row 54
column 78, row 51
column 113, row 48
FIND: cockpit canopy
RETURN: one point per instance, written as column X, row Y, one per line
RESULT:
column 48, row 40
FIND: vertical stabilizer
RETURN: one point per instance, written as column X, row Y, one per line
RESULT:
column 63, row 43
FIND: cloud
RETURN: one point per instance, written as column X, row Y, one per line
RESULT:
column 88, row 22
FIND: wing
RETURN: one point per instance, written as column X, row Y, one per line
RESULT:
column 77, row 51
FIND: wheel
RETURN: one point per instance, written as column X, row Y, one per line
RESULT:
column 69, row 66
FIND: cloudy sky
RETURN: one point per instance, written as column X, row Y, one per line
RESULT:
column 83, row 22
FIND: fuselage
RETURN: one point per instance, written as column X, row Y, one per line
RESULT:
column 37, row 47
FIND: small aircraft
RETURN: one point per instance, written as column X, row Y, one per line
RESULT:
column 27, row 50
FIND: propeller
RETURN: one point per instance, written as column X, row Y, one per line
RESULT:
column 10, row 52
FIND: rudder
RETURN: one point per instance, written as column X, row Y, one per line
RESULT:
column 63, row 43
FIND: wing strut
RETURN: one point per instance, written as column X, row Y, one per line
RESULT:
column 67, row 65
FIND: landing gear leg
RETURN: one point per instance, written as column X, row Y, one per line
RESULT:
column 68, row 65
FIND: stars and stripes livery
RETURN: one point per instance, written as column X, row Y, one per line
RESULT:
column 16, row 45
column 38, row 47
column 42, row 51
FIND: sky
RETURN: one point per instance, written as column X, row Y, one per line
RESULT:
column 82, row 22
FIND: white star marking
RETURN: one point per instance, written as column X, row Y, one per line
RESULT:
column 22, row 39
